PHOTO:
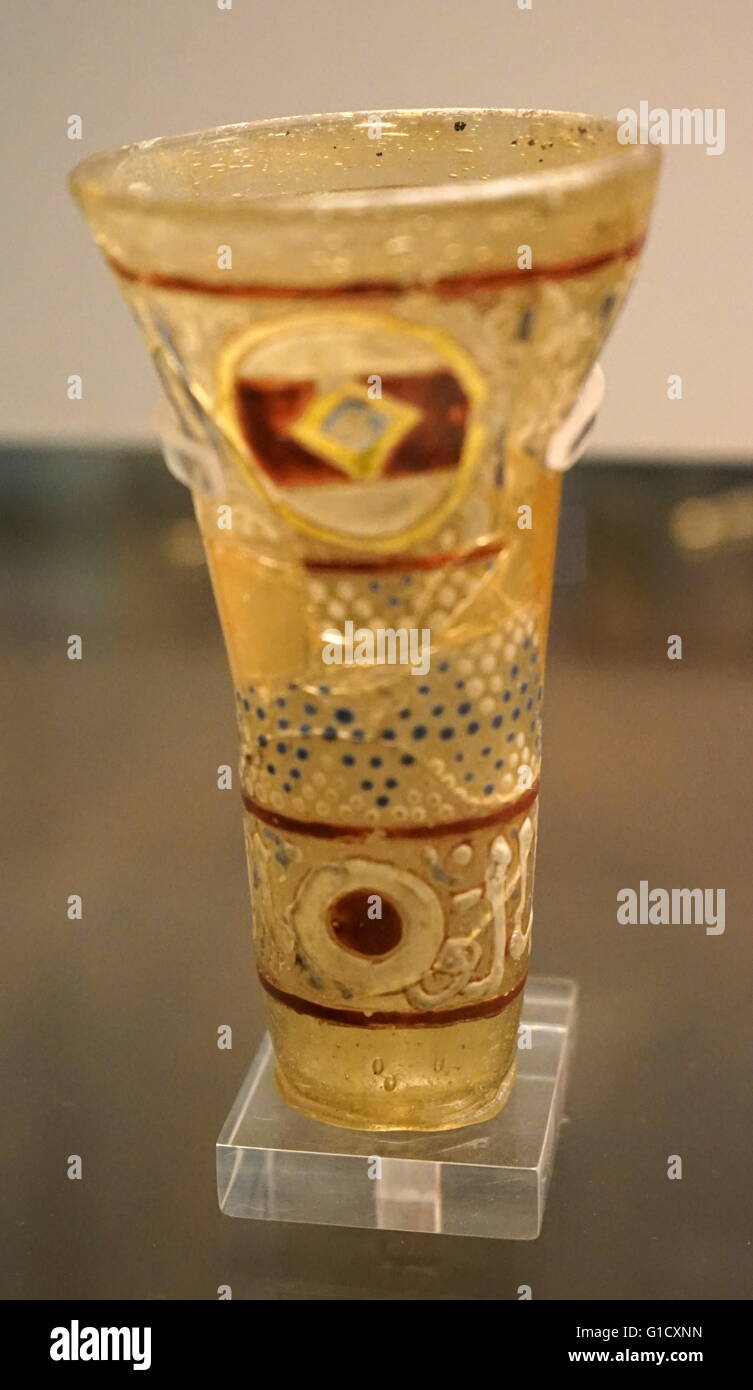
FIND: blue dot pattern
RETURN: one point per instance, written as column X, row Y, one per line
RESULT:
column 458, row 735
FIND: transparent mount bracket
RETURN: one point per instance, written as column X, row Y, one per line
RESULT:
column 485, row 1180
column 195, row 464
column 571, row 439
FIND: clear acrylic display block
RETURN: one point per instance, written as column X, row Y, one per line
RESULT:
column 485, row 1180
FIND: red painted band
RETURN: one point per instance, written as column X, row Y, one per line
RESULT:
column 450, row 285
column 355, row 1018
column 323, row 830
column 407, row 563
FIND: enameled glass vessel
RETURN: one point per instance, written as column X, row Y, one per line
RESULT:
column 373, row 331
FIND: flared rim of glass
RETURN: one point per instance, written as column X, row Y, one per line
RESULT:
column 91, row 180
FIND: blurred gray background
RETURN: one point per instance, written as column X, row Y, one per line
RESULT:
column 152, row 67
